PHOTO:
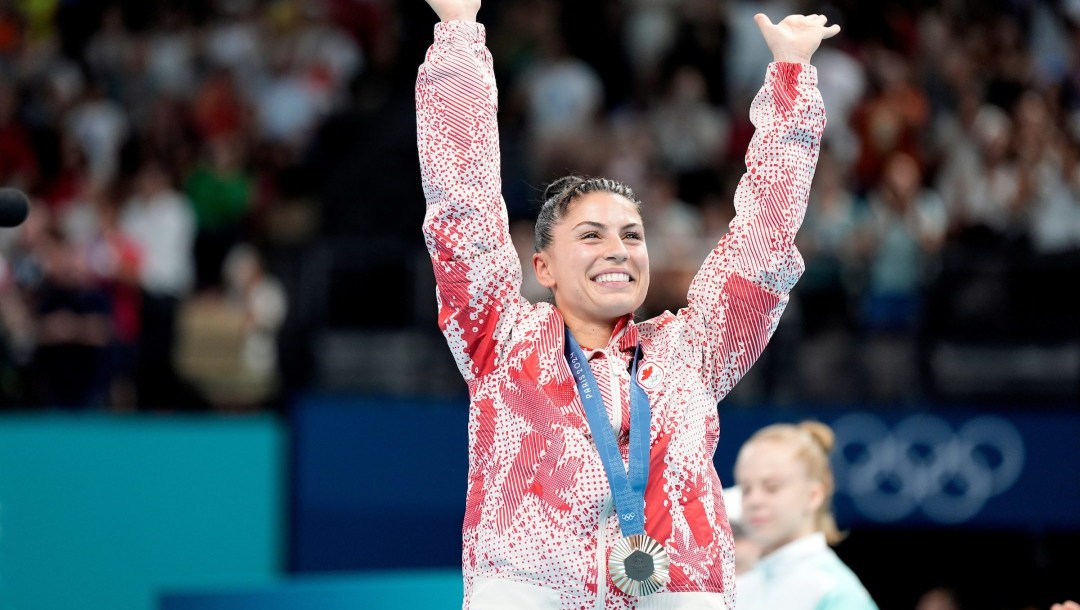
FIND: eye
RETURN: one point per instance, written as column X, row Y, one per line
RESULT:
column 634, row 235
column 590, row 235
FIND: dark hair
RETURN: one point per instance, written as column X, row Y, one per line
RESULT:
column 561, row 193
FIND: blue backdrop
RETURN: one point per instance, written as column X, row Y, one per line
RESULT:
column 390, row 475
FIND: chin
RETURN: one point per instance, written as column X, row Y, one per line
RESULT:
column 616, row 311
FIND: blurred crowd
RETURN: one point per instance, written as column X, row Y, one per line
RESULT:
column 216, row 182
column 155, row 141
column 945, row 215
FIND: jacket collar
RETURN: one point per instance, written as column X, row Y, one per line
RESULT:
column 625, row 335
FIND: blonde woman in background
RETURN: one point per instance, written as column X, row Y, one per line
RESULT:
column 787, row 486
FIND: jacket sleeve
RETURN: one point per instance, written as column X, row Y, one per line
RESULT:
column 737, row 296
column 477, row 272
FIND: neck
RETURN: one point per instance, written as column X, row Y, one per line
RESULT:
column 770, row 549
column 593, row 335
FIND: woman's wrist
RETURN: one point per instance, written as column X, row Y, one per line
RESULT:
column 467, row 17
column 791, row 58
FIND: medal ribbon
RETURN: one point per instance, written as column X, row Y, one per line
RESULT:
column 627, row 485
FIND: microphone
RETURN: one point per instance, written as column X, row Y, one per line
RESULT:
column 14, row 207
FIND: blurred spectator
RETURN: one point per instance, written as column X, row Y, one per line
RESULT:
column 328, row 55
column 899, row 239
column 235, row 41
column 703, row 43
column 289, row 102
column 303, row 74
column 219, row 109
column 261, row 298
column 170, row 66
column 100, row 128
column 112, row 56
column 842, row 81
column 221, row 191
column 160, row 221
column 70, row 366
column 650, row 32
column 828, row 243
column 115, row 262
column 890, row 119
column 691, row 134
column 169, row 133
column 673, row 232
column 938, row 598
column 981, row 186
column 18, row 163
column 1055, row 213
column 521, row 232
column 228, row 344
column 563, row 96
column 904, row 227
column 825, row 305
column 12, row 31
column 747, row 52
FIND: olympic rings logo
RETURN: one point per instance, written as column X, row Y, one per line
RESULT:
column 922, row 464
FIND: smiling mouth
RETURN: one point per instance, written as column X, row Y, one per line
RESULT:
column 606, row 278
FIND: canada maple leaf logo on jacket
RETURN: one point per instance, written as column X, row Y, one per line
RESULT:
column 650, row 376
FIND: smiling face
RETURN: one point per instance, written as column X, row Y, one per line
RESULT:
column 779, row 498
column 596, row 265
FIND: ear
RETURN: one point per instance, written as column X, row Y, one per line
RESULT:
column 816, row 496
column 542, row 268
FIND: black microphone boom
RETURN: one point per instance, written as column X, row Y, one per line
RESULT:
column 14, row 207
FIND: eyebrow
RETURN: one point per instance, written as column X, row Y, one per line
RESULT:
column 598, row 225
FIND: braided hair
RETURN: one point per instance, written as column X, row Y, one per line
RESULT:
column 562, row 192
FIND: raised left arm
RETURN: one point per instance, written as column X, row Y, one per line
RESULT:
column 736, row 299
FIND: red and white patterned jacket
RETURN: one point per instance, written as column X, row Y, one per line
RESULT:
column 539, row 521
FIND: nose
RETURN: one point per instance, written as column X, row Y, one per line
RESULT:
column 617, row 252
column 749, row 498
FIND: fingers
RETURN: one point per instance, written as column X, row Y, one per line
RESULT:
column 799, row 21
column 762, row 20
column 796, row 37
column 811, row 20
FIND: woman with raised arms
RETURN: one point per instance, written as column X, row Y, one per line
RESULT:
column 591, row 435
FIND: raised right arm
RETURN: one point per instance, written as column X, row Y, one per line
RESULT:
column 477, row 271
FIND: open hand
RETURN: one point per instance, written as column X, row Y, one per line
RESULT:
column 455, row 10
column 796, row 37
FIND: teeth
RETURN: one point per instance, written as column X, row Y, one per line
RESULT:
column 613, row 277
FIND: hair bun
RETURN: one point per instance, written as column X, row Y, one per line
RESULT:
column 563, row 185
column 821, row 433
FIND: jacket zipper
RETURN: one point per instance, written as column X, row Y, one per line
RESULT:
column 609, row 503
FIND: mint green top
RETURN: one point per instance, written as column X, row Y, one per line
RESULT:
column 803, row 575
